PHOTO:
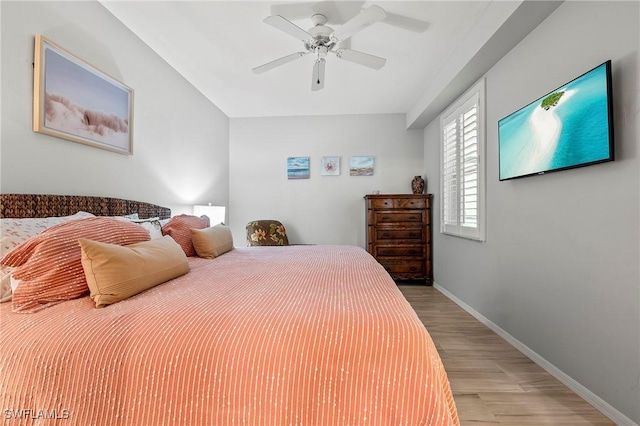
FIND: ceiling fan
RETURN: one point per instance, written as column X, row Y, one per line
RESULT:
column 321, row 40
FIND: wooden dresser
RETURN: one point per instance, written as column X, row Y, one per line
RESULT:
column 399, row 234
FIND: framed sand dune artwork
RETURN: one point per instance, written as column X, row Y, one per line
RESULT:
column 73, row 100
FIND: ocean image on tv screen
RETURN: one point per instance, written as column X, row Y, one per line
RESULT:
column 566, row 128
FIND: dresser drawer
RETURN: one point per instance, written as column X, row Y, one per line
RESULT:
column 398, row 203
column 395, row 266
column 417, row 251
column 412, row 234
column 397, row 216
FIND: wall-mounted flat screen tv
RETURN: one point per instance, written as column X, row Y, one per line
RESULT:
column 569, row 127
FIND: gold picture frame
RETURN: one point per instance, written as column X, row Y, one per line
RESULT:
column 73, row 100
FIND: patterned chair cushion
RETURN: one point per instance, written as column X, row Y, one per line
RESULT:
column 266, row 233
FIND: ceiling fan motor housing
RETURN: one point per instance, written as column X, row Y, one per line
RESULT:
column 321, row 35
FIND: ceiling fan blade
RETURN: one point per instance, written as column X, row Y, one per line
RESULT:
column 317, row 81
column 288, row 27
column 369, row 16
column 281, row 61
column 361, row 58
column 406, row 22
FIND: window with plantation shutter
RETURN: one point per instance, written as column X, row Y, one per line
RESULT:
column 462, row 166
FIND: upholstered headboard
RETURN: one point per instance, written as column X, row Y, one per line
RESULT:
column 46, row 205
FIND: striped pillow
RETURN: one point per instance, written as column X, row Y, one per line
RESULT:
column 49, row 266
column 14, row 231
column 179, row 228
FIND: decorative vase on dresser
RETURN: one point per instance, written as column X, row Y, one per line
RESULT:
column 417, row 185
column 399, row 234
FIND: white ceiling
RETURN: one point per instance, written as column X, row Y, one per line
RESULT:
column 427, row 44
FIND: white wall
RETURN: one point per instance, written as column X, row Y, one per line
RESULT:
column 321, row 209
column 180, row 138
column 560, row 268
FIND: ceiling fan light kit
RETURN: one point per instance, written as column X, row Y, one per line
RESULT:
column 321, row 40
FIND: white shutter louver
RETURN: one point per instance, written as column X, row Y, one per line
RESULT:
column 469, row 166
column 450, row 169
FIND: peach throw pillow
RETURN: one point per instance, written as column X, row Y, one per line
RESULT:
column 212, row 242
column 115, row 273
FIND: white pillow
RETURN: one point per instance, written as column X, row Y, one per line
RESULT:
column 152, row 225
column 14, row 231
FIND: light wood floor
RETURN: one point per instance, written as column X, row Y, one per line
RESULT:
column 492, row 382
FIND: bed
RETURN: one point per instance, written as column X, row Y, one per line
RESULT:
column 296, row 335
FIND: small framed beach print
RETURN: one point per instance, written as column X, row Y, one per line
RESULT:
column 330, row 166
column 73, row 100
column 361, row 166
column 298, row 168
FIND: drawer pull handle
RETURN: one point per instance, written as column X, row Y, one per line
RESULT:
column 386, row 234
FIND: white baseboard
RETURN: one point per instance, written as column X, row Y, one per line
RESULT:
column 605, row 408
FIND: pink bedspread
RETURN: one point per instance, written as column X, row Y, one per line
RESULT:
column 301, row 335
